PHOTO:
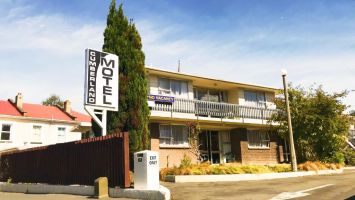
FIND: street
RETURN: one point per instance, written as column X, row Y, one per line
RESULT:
column 339, row 186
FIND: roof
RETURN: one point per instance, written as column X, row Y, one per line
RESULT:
column 81, row 117
column 203, row 80
column 42, row 112
column 6, row 108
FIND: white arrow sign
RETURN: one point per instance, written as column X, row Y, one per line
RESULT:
column 301, row 193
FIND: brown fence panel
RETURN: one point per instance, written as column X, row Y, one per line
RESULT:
column 79, row 162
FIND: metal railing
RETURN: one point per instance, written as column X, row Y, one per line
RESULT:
column 214, row 109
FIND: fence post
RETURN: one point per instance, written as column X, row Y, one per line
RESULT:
column 126, row 181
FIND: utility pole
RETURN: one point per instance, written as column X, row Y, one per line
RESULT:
column 292, row 145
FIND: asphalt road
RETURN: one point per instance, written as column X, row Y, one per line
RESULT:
column 332, row 187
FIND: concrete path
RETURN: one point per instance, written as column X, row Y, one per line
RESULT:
column 21, row 196
column 337, row 186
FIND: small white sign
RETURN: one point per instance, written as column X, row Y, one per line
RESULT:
column 101, row 80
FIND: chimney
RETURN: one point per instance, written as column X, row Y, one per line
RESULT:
column 67, row 106
column 19, row 101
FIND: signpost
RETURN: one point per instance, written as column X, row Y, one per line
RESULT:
column 101, row 85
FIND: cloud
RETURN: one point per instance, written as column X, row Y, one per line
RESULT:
column 44, row 54
column 254, row 57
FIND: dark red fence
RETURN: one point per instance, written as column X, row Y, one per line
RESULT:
column 79, row 162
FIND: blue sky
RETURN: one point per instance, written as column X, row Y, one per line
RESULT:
column 42, row 42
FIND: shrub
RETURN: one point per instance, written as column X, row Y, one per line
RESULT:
column 185, row 161
column 349, row 155
column 315, row 166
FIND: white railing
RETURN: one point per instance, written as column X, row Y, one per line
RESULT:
column 214, row 109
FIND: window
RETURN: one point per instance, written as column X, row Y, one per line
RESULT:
column 61, row 134
column 5, row 131
column 36, row 134
column 173, row 88
column 258, row 139
column 210, row 95
column 256, row 99
column 173, row 135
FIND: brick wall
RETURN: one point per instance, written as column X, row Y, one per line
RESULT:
column 239, row 147
column 167, row 156
column 272, row 155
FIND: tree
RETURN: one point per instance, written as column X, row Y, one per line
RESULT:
column 352, row 113
column 319, row 126
column 122, row 38
column 53, row 100
column 194, row 130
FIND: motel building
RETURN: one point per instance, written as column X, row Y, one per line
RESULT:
column 25, row 125
column 233, row 118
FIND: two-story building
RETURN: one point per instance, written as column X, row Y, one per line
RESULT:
column 25, row 125
column 233, row 118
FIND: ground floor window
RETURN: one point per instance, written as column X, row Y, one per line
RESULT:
column 5, row 131
column 36, row 135
column 173, row 135
column 258, row 139
column 61, row 134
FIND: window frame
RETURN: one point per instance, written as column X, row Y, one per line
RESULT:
column 64, row 135
column 260, row 143
column 9, row 132
column 169, row 92
column 259, row 104
column 185, row 143
column 33, row 141
column 222, row 94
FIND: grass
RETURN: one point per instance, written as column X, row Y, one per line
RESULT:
column 237, row 168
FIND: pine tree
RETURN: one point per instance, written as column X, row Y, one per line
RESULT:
column 122, row 38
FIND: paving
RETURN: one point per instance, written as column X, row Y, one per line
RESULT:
column 337, row 186
column 21, row 196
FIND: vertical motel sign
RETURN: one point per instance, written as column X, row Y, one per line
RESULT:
column 101, row 85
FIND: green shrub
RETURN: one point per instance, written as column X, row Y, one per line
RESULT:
column 185, row 162
column 349, row 155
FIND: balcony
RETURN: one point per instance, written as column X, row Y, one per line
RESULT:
column 213, row 109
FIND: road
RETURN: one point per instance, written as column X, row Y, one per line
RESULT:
column 332, row 187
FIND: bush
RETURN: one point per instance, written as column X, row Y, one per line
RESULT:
column 207, row 168
column 185, row 161
column 349, row 155
column 315, row 166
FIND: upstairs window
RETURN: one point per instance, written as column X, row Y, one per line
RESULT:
column 173, row 135
column 258, row 139
column 5, row 131
column 256, row 99
column 173, row 88
column 210, row 95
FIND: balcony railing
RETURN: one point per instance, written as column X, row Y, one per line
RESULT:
column 214, row 109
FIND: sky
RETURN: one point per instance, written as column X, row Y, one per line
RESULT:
column 42, row 42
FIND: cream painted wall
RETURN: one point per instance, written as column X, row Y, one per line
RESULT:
column 154, row 86
column 21, row 133
column 233, row 96
column 269, row 97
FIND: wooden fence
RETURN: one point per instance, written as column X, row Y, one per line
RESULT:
column 79, row 162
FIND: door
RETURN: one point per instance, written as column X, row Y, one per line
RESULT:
column 209, row 146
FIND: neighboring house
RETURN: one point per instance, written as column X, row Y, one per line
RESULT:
column 25, row 125
column 233, row 118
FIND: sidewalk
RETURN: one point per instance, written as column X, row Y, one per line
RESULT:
column 22, row 196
